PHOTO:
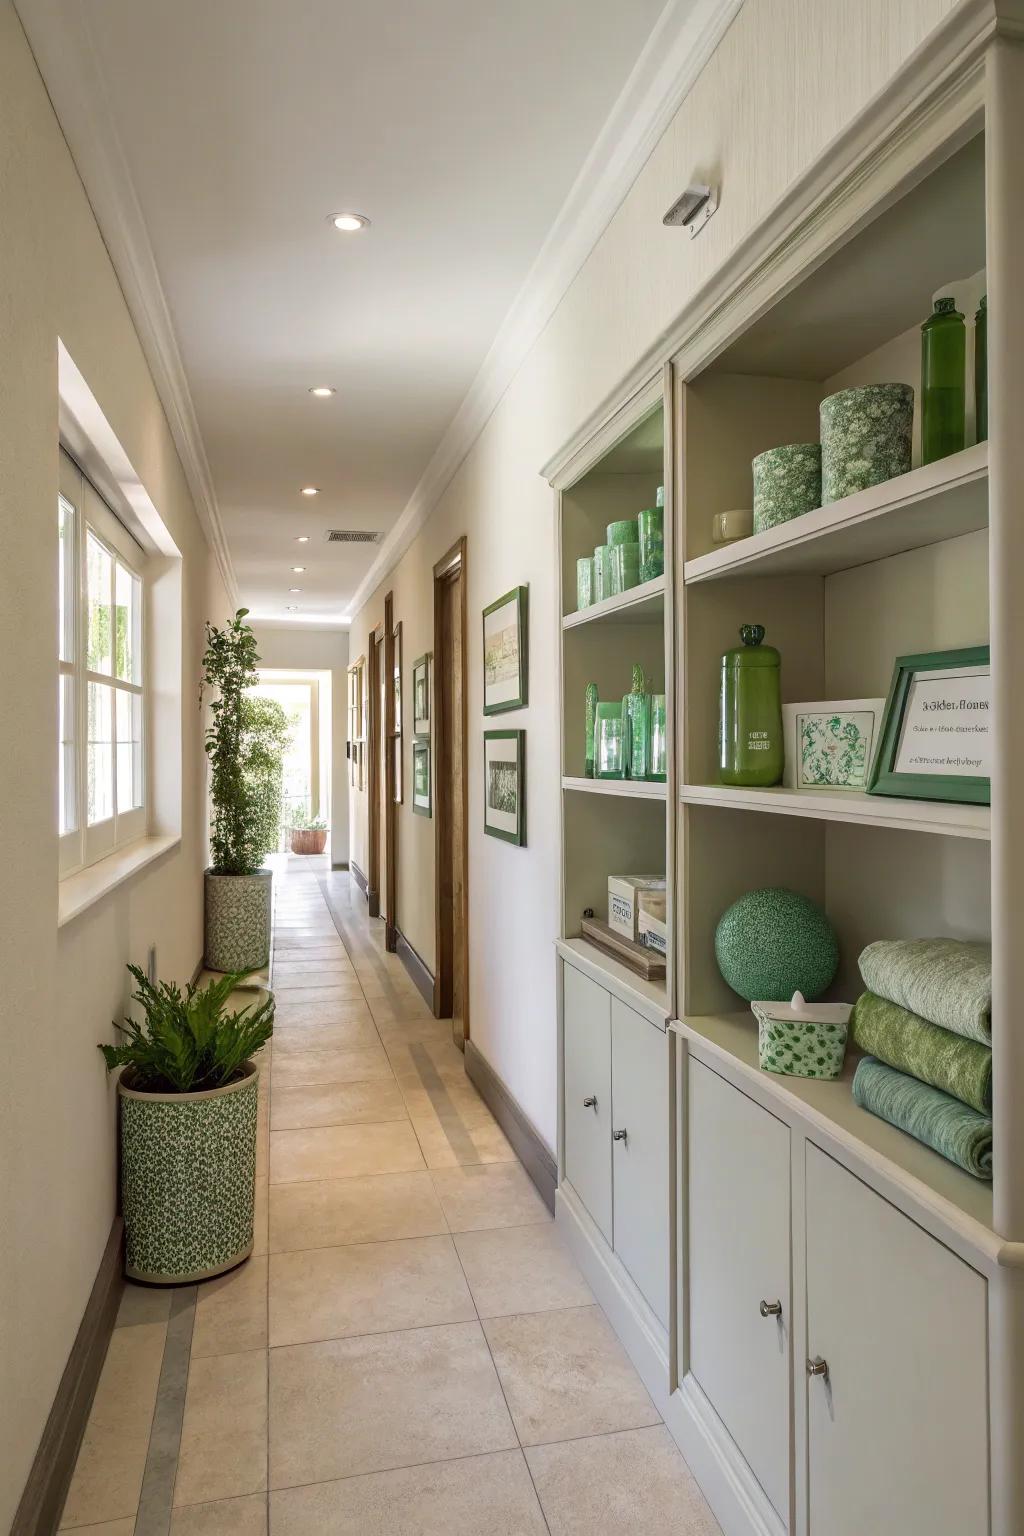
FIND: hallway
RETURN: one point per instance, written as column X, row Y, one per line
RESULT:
column 410, row 1348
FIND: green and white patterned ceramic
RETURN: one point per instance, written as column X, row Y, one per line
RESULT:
column 188, row 1179
column 773, row 942
column 866, row 437
column 238, row 921
column 799, row 1047
column 787, row 483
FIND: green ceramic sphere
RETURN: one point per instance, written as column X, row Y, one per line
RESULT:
column 772, row 943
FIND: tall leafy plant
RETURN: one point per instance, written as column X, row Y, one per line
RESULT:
column 245, row 742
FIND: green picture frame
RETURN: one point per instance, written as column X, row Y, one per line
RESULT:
column 422, row 802
column 885, row 779
column 505, row 652
column 505, row 786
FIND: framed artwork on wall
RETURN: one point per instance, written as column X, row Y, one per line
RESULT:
column 421, row 695
column 936, row 741
column 506, row 663
column 421, row 802
column 505, row 785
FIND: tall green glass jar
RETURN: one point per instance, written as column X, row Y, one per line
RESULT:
column 981, row 370
column 750, row 712
column 943, row 368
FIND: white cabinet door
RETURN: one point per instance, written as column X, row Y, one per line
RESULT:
column 897, row 1430
column 640, row 1151
column 586, row 1010
column 739, row 1257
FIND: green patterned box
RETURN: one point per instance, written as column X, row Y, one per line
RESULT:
column 801, row 1039
column 866, row 437
column 787, row 483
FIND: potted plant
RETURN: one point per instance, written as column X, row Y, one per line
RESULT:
column 308, row 833
column 245, row 743
column 189, row 1095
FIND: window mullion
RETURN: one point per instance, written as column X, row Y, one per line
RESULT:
column 81, row 700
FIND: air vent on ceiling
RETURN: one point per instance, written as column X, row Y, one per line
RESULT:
column 351, row 536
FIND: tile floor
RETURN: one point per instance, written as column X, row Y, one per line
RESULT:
column 411, row 1349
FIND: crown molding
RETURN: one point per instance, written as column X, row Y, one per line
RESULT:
column 684, row 38
column 61, row 43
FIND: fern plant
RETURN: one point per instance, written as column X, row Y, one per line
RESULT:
column 188, row 1043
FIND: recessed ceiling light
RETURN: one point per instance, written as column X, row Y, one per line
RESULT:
column 303, row 538
column 310, row 490
column 322, row 391
column 298, row 569
column 348, row 223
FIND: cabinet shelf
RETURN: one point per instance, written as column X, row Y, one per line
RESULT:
column 937, row 816
column 640, row 605
column 648, row 997
column 731, row 1040
column 938, row 501
column 634, row 789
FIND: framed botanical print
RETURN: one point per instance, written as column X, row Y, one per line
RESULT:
column 505, row 785
column 830, row 745
column 421, row 695
column 421, row 802
column 936, row 741
column 506, row 664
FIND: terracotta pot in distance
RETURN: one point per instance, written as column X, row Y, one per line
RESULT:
column 309, row 839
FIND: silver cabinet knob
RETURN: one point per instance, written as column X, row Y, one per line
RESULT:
column 619, row 1135
column 817, row 1367
column 771, row 1309
column 590, row 1102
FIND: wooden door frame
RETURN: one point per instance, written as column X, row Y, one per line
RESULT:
column 372, row 724
column 444, row 569
column 390, row 913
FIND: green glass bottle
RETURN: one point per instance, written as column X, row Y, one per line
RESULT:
column 638, row 705
column 590, row 726
column 981, row 370
column 943, row 366
column 750, row 712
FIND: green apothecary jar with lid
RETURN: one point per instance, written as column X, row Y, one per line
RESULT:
column 943, row 383
column 750, row 750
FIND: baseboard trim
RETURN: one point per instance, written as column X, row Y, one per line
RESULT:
column 342, row 865
column 421, row 974
column 514, row 1121
column 358, row 875
column 42, row 1501
column 373, row 903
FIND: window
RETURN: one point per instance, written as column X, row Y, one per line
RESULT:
column 102, row 702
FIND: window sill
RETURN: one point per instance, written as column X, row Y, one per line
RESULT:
column 87, row 886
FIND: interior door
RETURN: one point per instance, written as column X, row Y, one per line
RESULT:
column 641, row 1213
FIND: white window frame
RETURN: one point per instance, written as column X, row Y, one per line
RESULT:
column 86, row 844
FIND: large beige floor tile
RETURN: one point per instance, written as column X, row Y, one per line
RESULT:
column 312, row 949
column 224, row 1431
column 293, row 1010
column 490, row 1494
column 488, row 1195
column 521, row 1269
column 339, row 1151
column 447, row 1147
column 403, row 1032
column 224, row 1517
column 360, row 1064
column 291, row 984
column 353, row 1210
column 321, row 992
column 310, row 1104
column 231, row 1311
column 333, row 1293
column 392, row 1010
column 109, row 1528
column 293, row 1038
column 260, row 1210
column 633, row 1483
column 565, row 1374
column 383, row 1400
column 108, row 1475
column 143, row 1304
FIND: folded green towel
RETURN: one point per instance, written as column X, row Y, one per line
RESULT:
column 962, row 1068
column 953, row 1129
column 946, row 981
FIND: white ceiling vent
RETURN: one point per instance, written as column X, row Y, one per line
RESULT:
column 350, row 536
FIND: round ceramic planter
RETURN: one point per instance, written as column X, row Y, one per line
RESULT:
column 188, row 1179
column 309, row 840
column 787, row 483
column 866, row 437
column 238, row 921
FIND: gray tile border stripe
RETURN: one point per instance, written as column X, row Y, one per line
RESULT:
column 452, row 1123
column 157, row 1497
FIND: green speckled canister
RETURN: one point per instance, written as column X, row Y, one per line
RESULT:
column 866, row 437
column 651, row 523
column 188, row 1179
column 591, row 718
column 237, row 921
column 584, row 581
column 625, row 563
column 787, row 483
column 773, row 942
column 623, row 532
column 602, row 573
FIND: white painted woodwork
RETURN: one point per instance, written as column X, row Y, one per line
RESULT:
column 641, row 1213
column 936, row 816
column 642, row 604
column 588, row 1075
column 648, row 998
column 632, row 789
column 739, row 1241
column 898, row 1430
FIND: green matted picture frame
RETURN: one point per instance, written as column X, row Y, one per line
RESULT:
column 422, row 803
column 505, row 786
column 506, row 659
column 966, row 789
column 421, row 694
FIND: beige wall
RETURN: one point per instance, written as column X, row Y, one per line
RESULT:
column 61, row 989
column 787, row 77
column 319, row 650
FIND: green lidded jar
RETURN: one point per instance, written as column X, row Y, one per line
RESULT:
column 651, row 524
column 622, row 532
column 602, row 574
column 981, row 370
column 659, row 738
column 625, row 566
column 609, row 743
column 584, row 581
column 750, row 712
column 943, row 367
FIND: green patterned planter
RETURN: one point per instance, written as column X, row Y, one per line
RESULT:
column 866, row 437
column 799, row 1047
column 787, row 483
column 188, row 1179
column 238, row 921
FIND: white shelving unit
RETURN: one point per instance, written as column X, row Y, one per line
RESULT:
column 898, row 815
column 632, row 789
column 644, row 604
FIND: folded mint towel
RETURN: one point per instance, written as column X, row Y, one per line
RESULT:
column 950, row 1128
column 962, row 1068
column 946, row 981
